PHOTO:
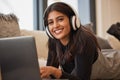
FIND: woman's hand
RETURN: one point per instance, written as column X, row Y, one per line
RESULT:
column 46, row 71
column 49, row 70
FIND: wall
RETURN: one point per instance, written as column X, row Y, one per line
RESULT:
column 107, row 13
column 73, row 3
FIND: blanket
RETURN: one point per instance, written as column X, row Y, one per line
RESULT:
column 107, row 66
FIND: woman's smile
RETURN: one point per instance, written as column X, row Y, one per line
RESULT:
column 57, row 31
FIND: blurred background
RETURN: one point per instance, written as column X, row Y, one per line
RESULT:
column 102, row 13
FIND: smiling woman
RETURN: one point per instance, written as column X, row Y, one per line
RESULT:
column 71, row 46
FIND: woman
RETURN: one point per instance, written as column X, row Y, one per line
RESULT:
column 72, row 48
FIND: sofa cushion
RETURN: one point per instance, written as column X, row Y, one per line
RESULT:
column 104, row 44
column 114, row 42
column 9, row 26
column 40, row 39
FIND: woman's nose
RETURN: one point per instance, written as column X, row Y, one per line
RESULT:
column 56, row 24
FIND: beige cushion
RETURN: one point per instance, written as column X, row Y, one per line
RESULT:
column 104, row 44
column 41, row 41
column 9, row 26
column 114, row 42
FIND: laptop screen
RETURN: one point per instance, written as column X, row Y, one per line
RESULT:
column 18, row 58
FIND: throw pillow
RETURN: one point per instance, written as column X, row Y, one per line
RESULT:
column 9, row 26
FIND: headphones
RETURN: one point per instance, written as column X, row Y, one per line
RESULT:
column 75, row 21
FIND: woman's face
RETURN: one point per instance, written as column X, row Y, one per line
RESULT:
column 59, row 26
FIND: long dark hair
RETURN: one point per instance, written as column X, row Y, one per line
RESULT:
column 77, row 37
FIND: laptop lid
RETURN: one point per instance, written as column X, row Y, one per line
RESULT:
column 18, row 58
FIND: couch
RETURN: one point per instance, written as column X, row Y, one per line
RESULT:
column 106, row 67
column 41, row 45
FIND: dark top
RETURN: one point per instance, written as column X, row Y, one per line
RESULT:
column 80, row 67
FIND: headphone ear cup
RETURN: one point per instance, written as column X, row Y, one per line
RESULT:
column 48, row 32
column 75, row 22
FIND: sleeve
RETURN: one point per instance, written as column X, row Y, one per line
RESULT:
column 83, row 63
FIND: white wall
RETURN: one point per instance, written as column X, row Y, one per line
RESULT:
column 107, row 13
column 73, row 3
column 23, row 9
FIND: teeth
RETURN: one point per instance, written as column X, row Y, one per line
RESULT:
column 58, row 31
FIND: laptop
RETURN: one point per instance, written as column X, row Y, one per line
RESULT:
column 18, row 58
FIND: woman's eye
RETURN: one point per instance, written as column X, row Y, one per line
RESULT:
column 50, row 23
column 60, row 19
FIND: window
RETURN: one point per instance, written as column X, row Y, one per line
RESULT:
column 39, row 7
column 29, row 12
column 23, row 9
